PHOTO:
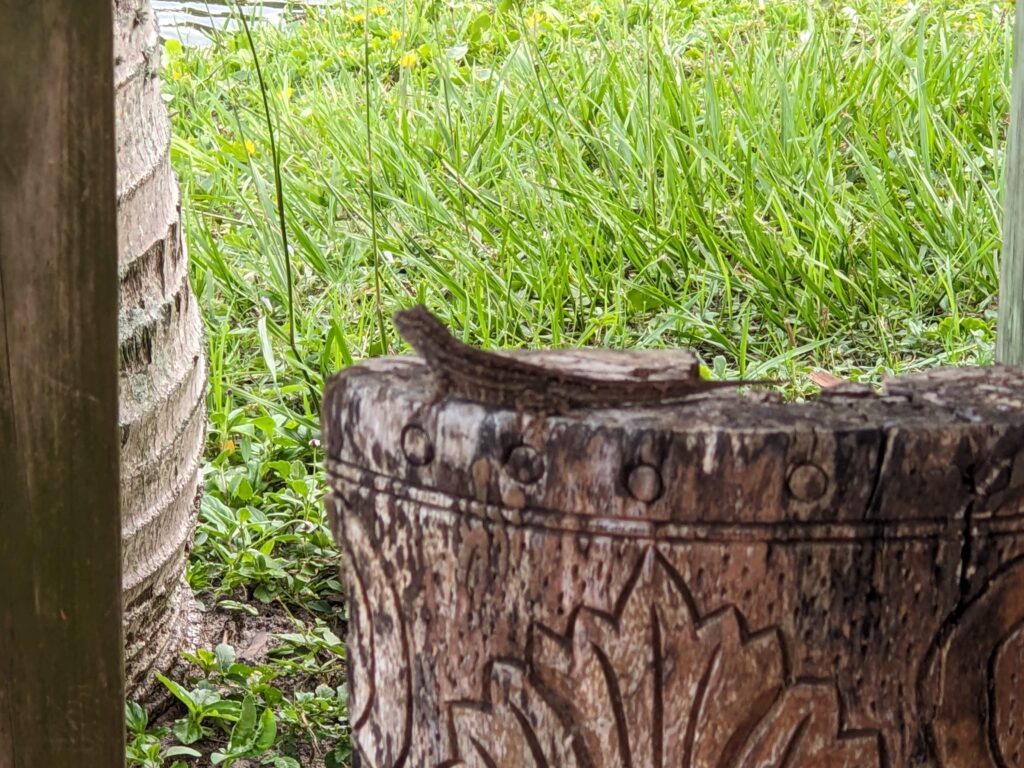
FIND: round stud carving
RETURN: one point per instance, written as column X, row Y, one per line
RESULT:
column 525, row 464
column 416, row 445
column 807, row 482
column 644, row 483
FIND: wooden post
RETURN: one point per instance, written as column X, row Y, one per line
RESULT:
column 61, row 700
column 1010, row 340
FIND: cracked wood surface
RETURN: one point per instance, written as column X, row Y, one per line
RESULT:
column 725, row 581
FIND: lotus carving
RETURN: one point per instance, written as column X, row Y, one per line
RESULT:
column 654, row 684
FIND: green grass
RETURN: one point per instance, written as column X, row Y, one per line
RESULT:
column 781, row 186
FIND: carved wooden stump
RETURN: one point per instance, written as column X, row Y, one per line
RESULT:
column 726, row 582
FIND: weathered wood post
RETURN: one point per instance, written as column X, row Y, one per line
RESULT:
column 61, row 691
column 1010, row 342
column 726, row 580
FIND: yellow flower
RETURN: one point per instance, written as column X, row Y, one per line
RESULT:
column 228, row 446
column 358, row 18
column 395, row 36
column 536, row 19
column 286, row 93
column 594, row 13
column 250, row 148
column 380, row 10
column 176, row 75
column 408, row 59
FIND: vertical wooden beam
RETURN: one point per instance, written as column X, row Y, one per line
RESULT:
column 60, row 558
column 1010, row 340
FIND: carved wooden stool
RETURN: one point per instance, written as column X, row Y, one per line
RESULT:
column 722, row 582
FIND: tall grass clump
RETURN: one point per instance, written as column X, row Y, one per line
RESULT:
column 779, row 185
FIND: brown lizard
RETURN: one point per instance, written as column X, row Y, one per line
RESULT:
column 557, row 380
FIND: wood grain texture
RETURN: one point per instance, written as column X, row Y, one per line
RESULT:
column 727, row 581
column 61, row 691
column 1010, row 338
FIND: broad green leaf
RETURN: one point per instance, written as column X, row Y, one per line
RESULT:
column 478, row 26
column 178, row 692
column 135, row 717
column 283, row 468
column 267, row 731
column 266, row 425
column 187, row 730
column 338, row 757
column 244, row 732
column 204, row 698
column 225, row 656
column 225, row 709
column 330, row 638
column 243, row 489
column 182, row 752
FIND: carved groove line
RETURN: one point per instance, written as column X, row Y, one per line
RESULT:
column 798, row 733
column 958, row 677
column 440, row 504
column 698, row 709
column 658, row 705
column 531, row 737
column 616, row 700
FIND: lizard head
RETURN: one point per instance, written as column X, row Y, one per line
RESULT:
column 419, row 327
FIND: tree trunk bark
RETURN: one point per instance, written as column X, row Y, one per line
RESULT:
column 727, row 580
column 163, row 369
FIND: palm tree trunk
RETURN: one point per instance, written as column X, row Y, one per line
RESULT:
column 163, row 369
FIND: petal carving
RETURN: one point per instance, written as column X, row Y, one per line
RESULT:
column 516, row 728
column 804, row 730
